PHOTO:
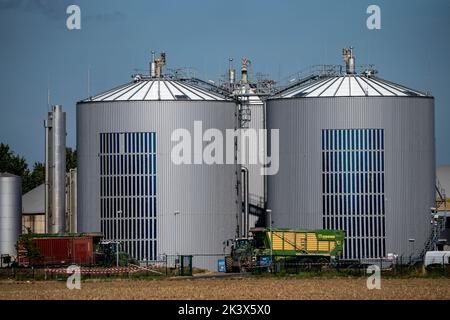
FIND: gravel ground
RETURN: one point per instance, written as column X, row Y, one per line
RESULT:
column 241, row 288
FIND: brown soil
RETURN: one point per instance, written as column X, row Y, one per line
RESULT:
column 240, row 288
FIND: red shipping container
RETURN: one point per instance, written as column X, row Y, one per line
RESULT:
column 65, row 250
column 83, row 251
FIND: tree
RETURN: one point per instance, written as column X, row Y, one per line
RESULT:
column 71, row 159
column 37, row 176
column 15, row 164
column 9, row 162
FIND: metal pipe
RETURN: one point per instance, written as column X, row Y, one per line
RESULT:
column 349, row 59
column 231, row 74
column 245, row 225
column 269, row 213
column 244, row 71
column 71, row 203
column 153, row 66
column 59, row 163
column 265, row 152
column 47, row 126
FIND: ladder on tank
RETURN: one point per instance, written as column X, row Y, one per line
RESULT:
column 438, row 223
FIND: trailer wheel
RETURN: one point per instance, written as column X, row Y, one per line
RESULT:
column 323, row 263
column 228, row 264
column 306, row 264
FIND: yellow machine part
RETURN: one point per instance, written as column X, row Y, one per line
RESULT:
column 277, row 241
column 299, row 241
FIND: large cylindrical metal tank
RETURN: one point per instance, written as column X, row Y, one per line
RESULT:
column 357, row 153
column 130, row 189
column 10, row 212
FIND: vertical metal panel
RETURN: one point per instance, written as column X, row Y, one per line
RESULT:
column 10, row 212
column 205, row 195
column 294, row 194
column 256, row 179
column 71, row 201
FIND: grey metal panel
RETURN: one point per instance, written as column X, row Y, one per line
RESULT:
column 205, row 195
column 10, row 212
column 256, row 180
column 33, row 201
column 71, row 201
column 294, row 194
column 443, row 177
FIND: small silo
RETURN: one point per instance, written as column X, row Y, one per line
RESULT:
column 357, row 153
column 129, row 187
column 10, row 213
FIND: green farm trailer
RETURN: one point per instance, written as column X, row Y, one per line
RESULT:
column 296, row 246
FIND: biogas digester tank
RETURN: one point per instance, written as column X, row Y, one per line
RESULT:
column 357, row 153
column 128, row 186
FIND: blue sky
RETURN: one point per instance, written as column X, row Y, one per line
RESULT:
column 37, row 51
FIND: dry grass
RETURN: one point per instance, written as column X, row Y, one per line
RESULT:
column 241, row 288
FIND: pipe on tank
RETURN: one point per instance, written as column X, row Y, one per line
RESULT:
column 71, row 201
column 59, row 151
column 231, row 74
column 349, row 59
column 245, row 224
column 153, row 66
column 55, row 168
column 47, row 126
column 244, row 71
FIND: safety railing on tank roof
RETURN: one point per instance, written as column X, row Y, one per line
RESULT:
column 318, row 71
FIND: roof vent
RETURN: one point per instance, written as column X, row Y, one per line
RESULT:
column 157, row 64
column 349, row 59
column 244, row 71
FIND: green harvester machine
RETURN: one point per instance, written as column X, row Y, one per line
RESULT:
column 268, row 246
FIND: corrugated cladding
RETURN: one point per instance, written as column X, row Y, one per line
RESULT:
column 10, row 212
column 205, row 195
column 295, row 193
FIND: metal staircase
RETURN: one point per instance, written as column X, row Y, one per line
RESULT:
column 438, row 223
column 430, row 244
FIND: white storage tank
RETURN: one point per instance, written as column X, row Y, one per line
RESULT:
column 10, row 213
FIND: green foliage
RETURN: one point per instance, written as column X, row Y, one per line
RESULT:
column 30, row 246
column 12, row 163
column 34, row 178
column 15, row 164
column 71, row 159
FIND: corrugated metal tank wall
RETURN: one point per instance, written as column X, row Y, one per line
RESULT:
column 256, row 180
column 295, row 193
column 205, row 195
column 10, row 212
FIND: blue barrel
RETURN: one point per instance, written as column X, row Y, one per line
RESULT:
column 221, row 265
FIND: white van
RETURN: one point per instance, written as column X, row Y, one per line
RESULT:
column 436, row 258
